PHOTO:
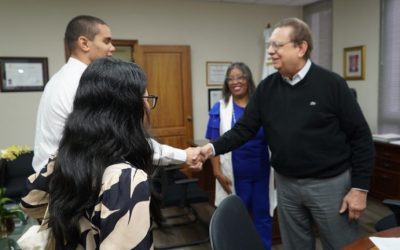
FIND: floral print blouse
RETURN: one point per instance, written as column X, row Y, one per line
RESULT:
column 121, row 217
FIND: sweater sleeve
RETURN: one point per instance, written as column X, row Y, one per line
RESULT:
column 245, row 129
column 358, row 133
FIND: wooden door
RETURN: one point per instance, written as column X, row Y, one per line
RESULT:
column 169, row 77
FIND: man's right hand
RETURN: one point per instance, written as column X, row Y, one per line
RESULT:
column 207, row 150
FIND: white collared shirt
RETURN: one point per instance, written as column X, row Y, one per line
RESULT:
column 56, row 104
column 300, row 75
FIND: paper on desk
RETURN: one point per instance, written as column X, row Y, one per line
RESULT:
column 397, row 142
column 386, row 243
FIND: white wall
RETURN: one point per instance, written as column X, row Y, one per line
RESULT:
column 215, row 32
column 356, row 22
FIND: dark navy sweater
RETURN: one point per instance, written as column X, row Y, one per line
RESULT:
column 314, row 128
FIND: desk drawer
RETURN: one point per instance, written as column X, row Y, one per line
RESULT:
column 386, row 184
column 389, row 152
column 387, row 164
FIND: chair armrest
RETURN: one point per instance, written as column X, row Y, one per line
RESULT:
column 172, row 167
column 186, row 181
column 392, row 203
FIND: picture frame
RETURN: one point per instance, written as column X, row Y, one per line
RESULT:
column 125, row 49
column 23, row 73
column 214, row 95
column 215, row 72
column 354, row 63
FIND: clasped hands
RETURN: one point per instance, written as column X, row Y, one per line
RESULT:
column 196, row 156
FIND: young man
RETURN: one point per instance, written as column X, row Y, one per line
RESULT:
column 87, row 38
column 321, row 145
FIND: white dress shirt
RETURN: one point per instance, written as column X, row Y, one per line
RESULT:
column 56, row 104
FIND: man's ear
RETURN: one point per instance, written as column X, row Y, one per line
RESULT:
column 303, row 47
column 83, row 43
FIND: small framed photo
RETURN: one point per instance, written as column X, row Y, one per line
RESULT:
column 216, row 72
column 23, row 73
column 125, row 49
column 214, row 95
column 354, row 63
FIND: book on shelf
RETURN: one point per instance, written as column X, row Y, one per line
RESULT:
column 386, row 137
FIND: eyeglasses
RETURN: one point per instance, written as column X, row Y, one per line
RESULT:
column 238, row 79
column 276, row 45
column 151, row 100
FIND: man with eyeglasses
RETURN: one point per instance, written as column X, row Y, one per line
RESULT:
column 321, row 146
column 87, row 38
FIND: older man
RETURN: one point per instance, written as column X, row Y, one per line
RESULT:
column 322, row 149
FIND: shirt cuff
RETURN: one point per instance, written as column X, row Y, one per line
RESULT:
column 181, row 155
column 360, row 189
column 213, row 150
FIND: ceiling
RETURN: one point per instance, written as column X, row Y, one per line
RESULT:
column 268, row 2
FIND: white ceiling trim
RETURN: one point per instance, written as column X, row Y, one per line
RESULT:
column 269, row 2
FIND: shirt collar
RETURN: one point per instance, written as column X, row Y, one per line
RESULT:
column 300, row 75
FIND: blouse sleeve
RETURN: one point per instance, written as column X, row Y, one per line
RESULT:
column 213, row 122
column 35, row 202
column 125, row 209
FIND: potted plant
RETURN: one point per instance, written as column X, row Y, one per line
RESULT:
column 7, row 215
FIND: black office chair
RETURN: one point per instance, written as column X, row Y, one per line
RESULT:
column 173, row 189
column 13, row 175
column 392, row 220
column 231, row 227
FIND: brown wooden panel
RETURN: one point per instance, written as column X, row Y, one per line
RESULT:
column 386, row 176
column 169, row 77
column 386, row 184
column 387, row 151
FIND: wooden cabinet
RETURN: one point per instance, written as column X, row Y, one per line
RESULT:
column 386, row 175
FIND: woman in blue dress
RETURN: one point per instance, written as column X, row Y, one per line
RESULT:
column 244, row 171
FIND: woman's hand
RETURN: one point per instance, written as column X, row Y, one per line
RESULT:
column 225, row 182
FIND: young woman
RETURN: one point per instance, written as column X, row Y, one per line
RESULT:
column 96, row 188
column 245, row 171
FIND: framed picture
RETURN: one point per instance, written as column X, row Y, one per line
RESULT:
column 214, row 95
column 125, row 49
column 216, row 72
column 23, row 73
column 354, row 63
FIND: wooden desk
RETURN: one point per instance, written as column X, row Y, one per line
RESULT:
column 366, row 244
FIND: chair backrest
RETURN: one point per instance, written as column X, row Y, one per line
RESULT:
column 13, row 175
column 231, row 227
column 392, row 220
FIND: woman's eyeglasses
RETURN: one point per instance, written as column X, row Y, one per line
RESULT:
column 237, row 79
column 151, row 100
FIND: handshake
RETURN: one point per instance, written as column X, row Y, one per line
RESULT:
column 196, row 156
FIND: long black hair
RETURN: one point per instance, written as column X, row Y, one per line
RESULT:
column 105, row 127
